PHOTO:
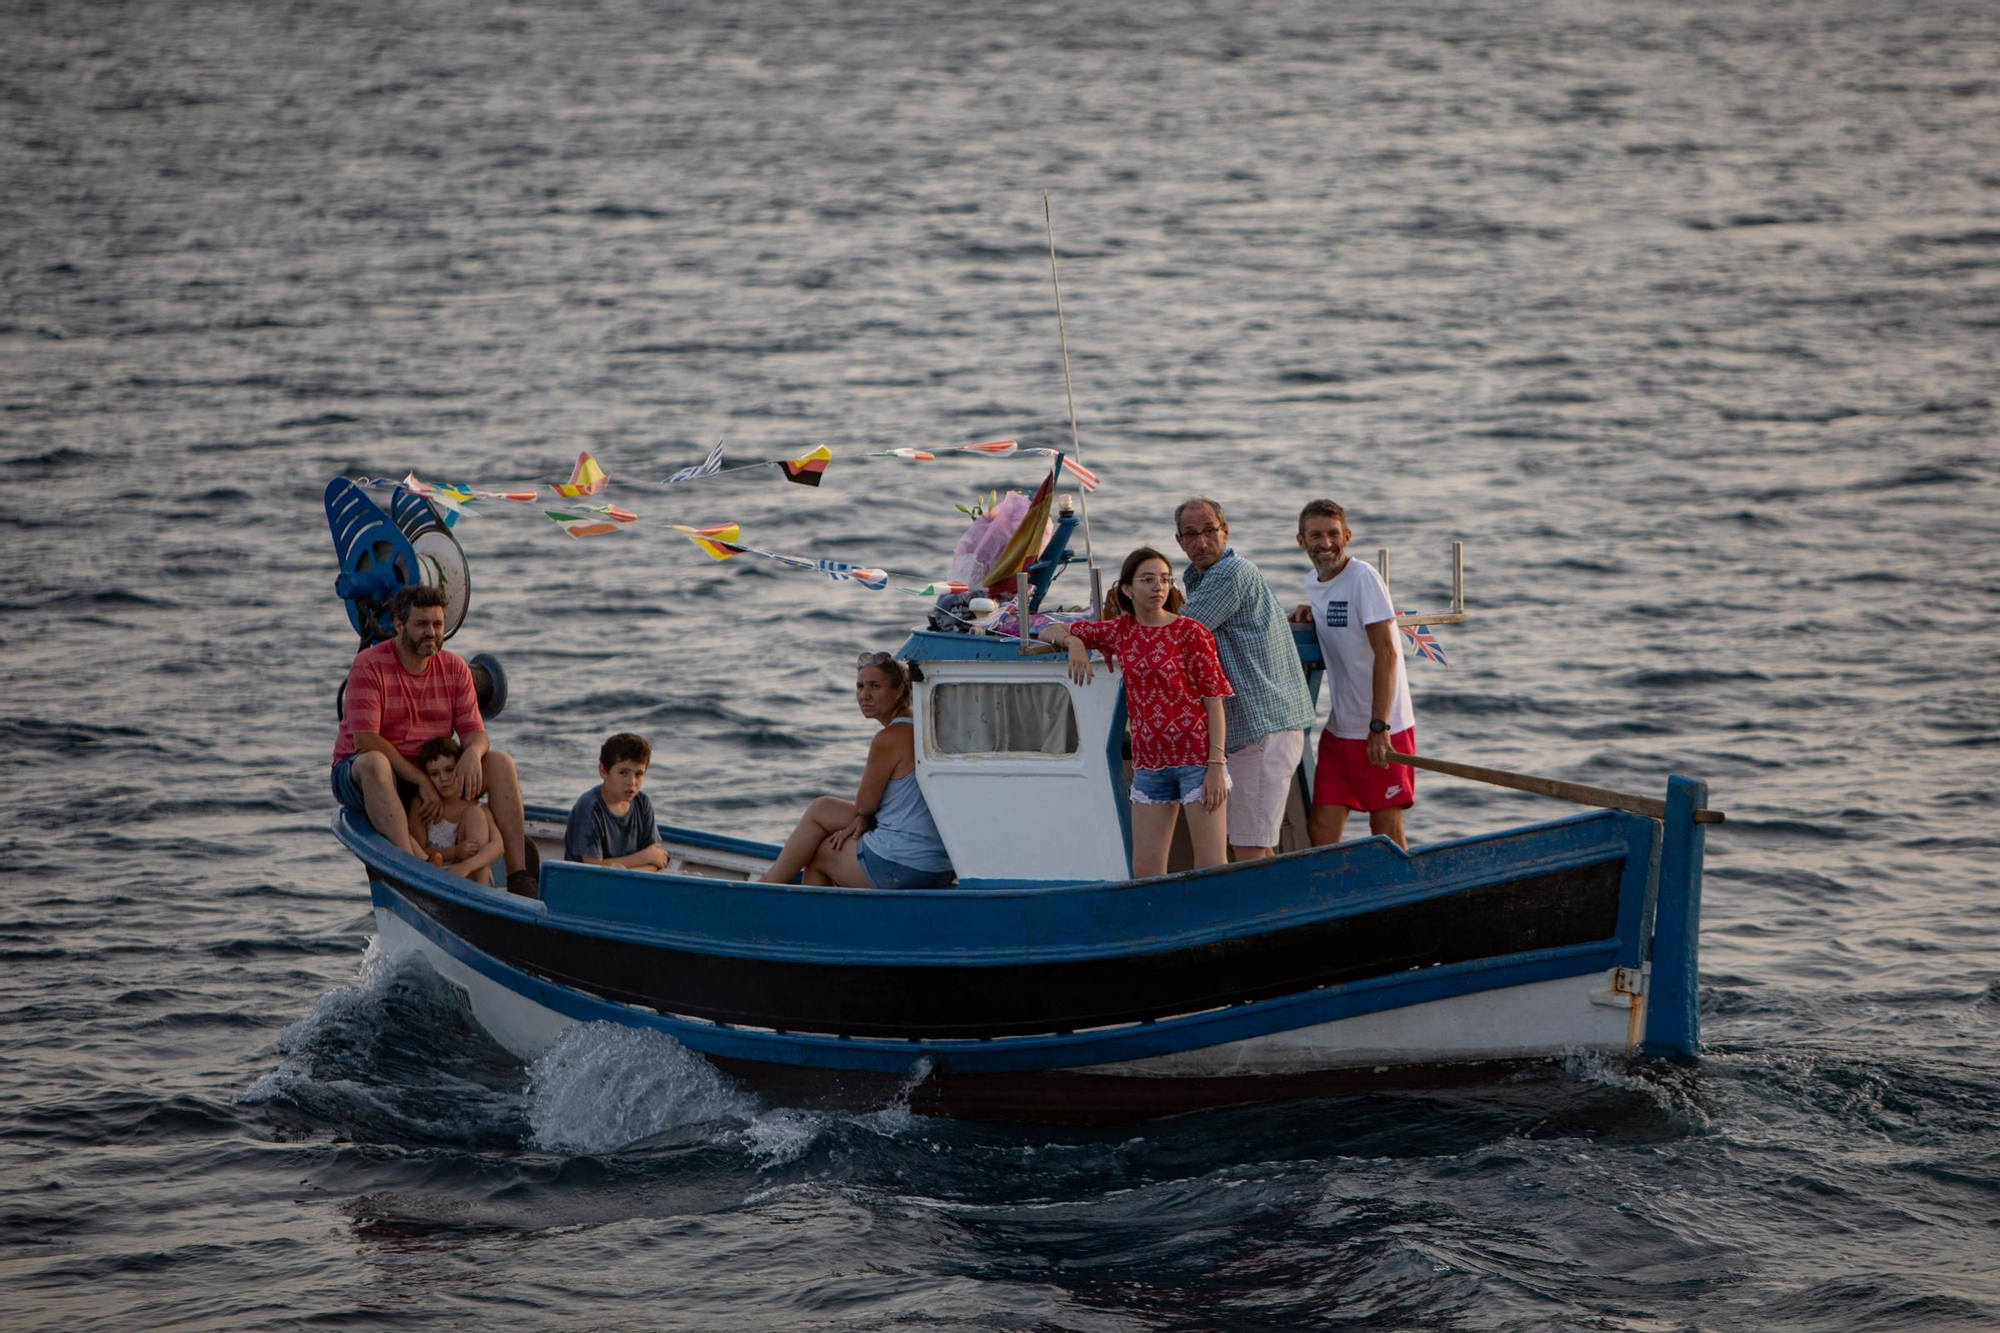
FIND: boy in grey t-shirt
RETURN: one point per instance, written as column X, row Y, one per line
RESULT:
column 612, row 823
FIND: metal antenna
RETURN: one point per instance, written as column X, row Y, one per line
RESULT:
column 1075, row 445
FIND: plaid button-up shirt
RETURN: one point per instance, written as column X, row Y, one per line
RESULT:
column 1256, row 647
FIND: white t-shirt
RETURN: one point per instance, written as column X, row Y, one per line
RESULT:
column 1342, row 610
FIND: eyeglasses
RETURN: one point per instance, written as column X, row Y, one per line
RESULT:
column 1211, row 531
column 875, row 660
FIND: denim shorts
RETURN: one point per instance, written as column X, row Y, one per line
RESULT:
column 886, row 874
column 1171, row 786
column 348, row 792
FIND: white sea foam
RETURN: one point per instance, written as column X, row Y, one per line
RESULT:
column 602, row 1087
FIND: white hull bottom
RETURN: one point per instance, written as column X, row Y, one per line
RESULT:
column 1540, row 1018
column 1529, row 1021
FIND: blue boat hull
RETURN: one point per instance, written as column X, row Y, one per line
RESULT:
column 1330, row 967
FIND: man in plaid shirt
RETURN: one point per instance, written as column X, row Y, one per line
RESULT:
column 1267, row 717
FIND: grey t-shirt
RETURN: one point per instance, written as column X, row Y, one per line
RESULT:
column 597, row 834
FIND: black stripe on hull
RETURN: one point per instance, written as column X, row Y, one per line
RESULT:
column 1578, row 905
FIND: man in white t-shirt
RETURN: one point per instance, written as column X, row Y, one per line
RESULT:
column 1370, row 715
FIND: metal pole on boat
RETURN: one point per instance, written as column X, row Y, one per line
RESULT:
column 1075, row 445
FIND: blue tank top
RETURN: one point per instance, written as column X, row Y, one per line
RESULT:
column 904, row 831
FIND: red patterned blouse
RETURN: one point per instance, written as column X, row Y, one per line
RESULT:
column 1169, row 669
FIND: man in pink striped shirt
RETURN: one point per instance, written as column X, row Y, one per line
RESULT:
column 401, row 693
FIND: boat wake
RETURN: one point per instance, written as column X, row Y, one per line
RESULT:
column 603, row 1088
column 396, row 1059
column 393, row 1059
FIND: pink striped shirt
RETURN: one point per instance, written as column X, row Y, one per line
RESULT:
column 403, row 709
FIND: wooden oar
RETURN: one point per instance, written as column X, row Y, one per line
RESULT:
column 1651, row 807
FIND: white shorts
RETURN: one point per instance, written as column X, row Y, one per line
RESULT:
column 1262, row 773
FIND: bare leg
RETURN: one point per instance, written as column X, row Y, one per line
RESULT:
column 841, row 867
column 1388, row 823
column 1206, row 833
column 378, row 792
column 822, row 818
column 1325, row 823
column 503, row 800
column 1152, row 835
column 474, row 866
column 1249, row 853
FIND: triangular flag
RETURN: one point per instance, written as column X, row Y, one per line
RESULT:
column 841, row 571
column 714, row 540
column 449, row 505
column 997, row 448
column 904, row 453
column 1424, row 643
column 1084, row 476
column 583, row 525
column 708, row 467
column 586, row 478
column 808, row 470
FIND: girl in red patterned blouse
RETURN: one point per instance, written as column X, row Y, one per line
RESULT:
column 1174, row 689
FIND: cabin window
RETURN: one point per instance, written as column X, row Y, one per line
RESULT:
column 982, row 718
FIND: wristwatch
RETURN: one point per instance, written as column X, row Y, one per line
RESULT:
column 1377, row 725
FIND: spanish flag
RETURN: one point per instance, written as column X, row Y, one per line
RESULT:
column 1026, row 543
column 808, row 470
column 586, row 478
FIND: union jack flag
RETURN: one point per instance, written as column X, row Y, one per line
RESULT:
column 1424, row 643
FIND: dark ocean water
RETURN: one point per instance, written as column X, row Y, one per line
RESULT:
column 1683, row 317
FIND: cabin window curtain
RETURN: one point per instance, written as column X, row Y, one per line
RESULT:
column 1003, row 719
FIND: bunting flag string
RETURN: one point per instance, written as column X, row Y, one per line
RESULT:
column 450, row 498
column 464, row 494
column 806, row 470
column 588, row 477
column 992, row 449
column 838, row 570
column 997, row 449
column 723, row 543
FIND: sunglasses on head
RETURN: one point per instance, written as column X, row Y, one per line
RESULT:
column 875, row 660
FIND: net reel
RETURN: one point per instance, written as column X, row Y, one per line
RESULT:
column 380, row 554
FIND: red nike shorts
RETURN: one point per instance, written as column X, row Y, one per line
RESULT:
column 1345, row 777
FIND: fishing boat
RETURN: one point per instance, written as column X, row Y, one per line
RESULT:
column 1047, row 983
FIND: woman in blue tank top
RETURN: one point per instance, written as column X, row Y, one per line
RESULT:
column 884, row 838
